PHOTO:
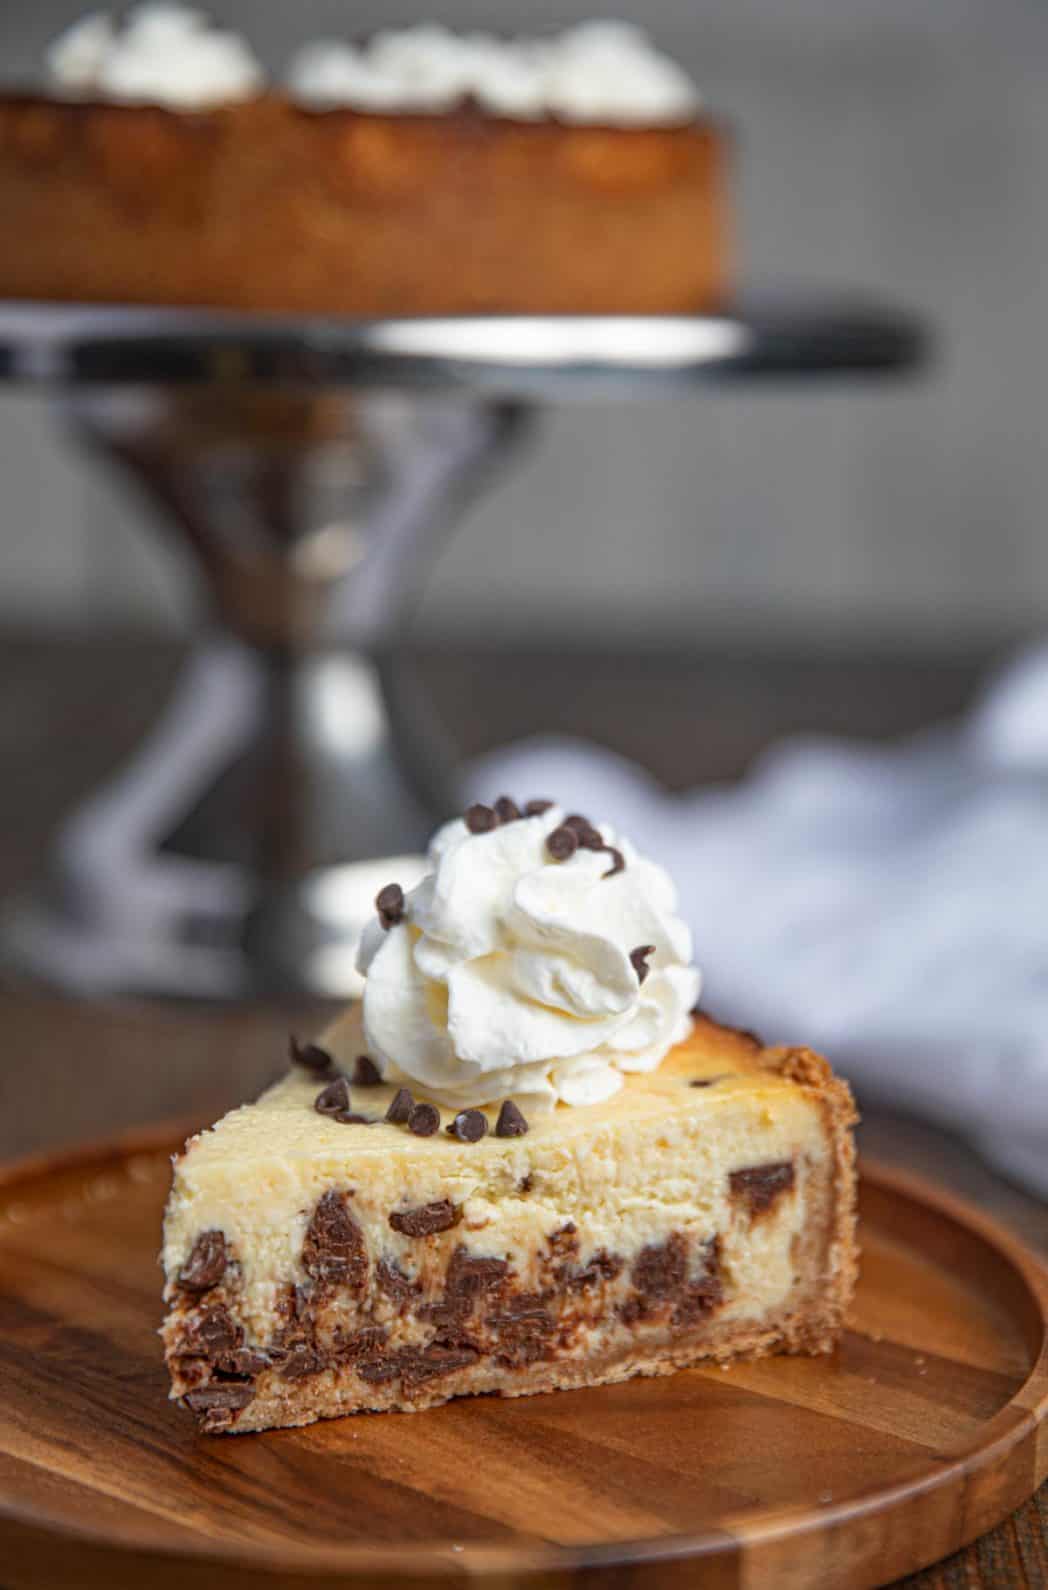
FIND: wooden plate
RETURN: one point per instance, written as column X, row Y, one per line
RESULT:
column 927, row 1428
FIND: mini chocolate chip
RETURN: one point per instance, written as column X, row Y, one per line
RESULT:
column 562, row 843
column 366, row 1073
column 506, row 811
column 639, row 960
column 424, row 1120
column 310, row 1056
column 354, row 1118
column 588, row 837
column 537, row 808
column 480, row 819
column 469, row 1126
column 704, row 1082
column 389, row 903
column 333, row 1098
column 400, row 1108
column 618, row 861
column 511, row 1122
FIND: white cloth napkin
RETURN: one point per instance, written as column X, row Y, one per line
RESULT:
column 888, row 906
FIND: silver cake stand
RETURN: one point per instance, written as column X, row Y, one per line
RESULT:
column 309, row 466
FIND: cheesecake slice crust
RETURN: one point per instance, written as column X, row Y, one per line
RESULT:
column 317, row 1267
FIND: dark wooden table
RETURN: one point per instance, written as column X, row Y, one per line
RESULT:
column 69, row 708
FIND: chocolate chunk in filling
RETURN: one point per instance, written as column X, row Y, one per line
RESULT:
column 537, row 808
column 506, row 810
column 661, row 1268
column 301, row 1359
column 759, row 1187
column 206, row 1264
column 661, row 1278
column 522, row 1331
column 334, row 1252
column 217, row 1406
column 413, row 1365
column 398, row 1287
column 427, row 1219
column 212, row 1333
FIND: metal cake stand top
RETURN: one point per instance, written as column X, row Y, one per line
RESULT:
column 499, row 356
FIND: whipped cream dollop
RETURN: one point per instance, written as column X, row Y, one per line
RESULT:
column 598, row 72
column 162, row 54
column 511, row 973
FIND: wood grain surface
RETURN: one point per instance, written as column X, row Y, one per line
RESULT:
column 71, row 707
column 926, row 1428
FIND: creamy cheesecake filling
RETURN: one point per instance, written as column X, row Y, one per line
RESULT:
column 385, row 1266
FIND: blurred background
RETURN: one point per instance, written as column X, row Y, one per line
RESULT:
column 897, row 148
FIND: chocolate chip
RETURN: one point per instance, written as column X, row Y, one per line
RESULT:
column 311, row 1057
column 480, row 819
column 333, row 1098
column 661, row 1268
column 537, row 808
column 334, row 1250
column 206, row 1264
column 389, row 903
column 354, row 1118
column 400, row 1107
column 562, row 843
column 580, row 824
column 618, row 861
column 639, row 960
column 366, row 1073
column 511, row 1122
column 506, row 810
column 427, row 1219
column 424, row 1120
column 469, row 1126
column 704, row 1082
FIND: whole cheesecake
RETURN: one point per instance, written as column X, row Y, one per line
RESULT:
column 524, row 1164
column 421, row 174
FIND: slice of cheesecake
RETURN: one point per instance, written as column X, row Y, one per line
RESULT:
column 338, row 1246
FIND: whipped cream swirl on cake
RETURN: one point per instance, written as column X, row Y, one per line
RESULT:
column 527, row 964
column 598, row 72
column 164, row 54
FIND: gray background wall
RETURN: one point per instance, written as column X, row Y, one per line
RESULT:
column 890, row 145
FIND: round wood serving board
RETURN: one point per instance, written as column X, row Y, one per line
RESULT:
column 928, row 1426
